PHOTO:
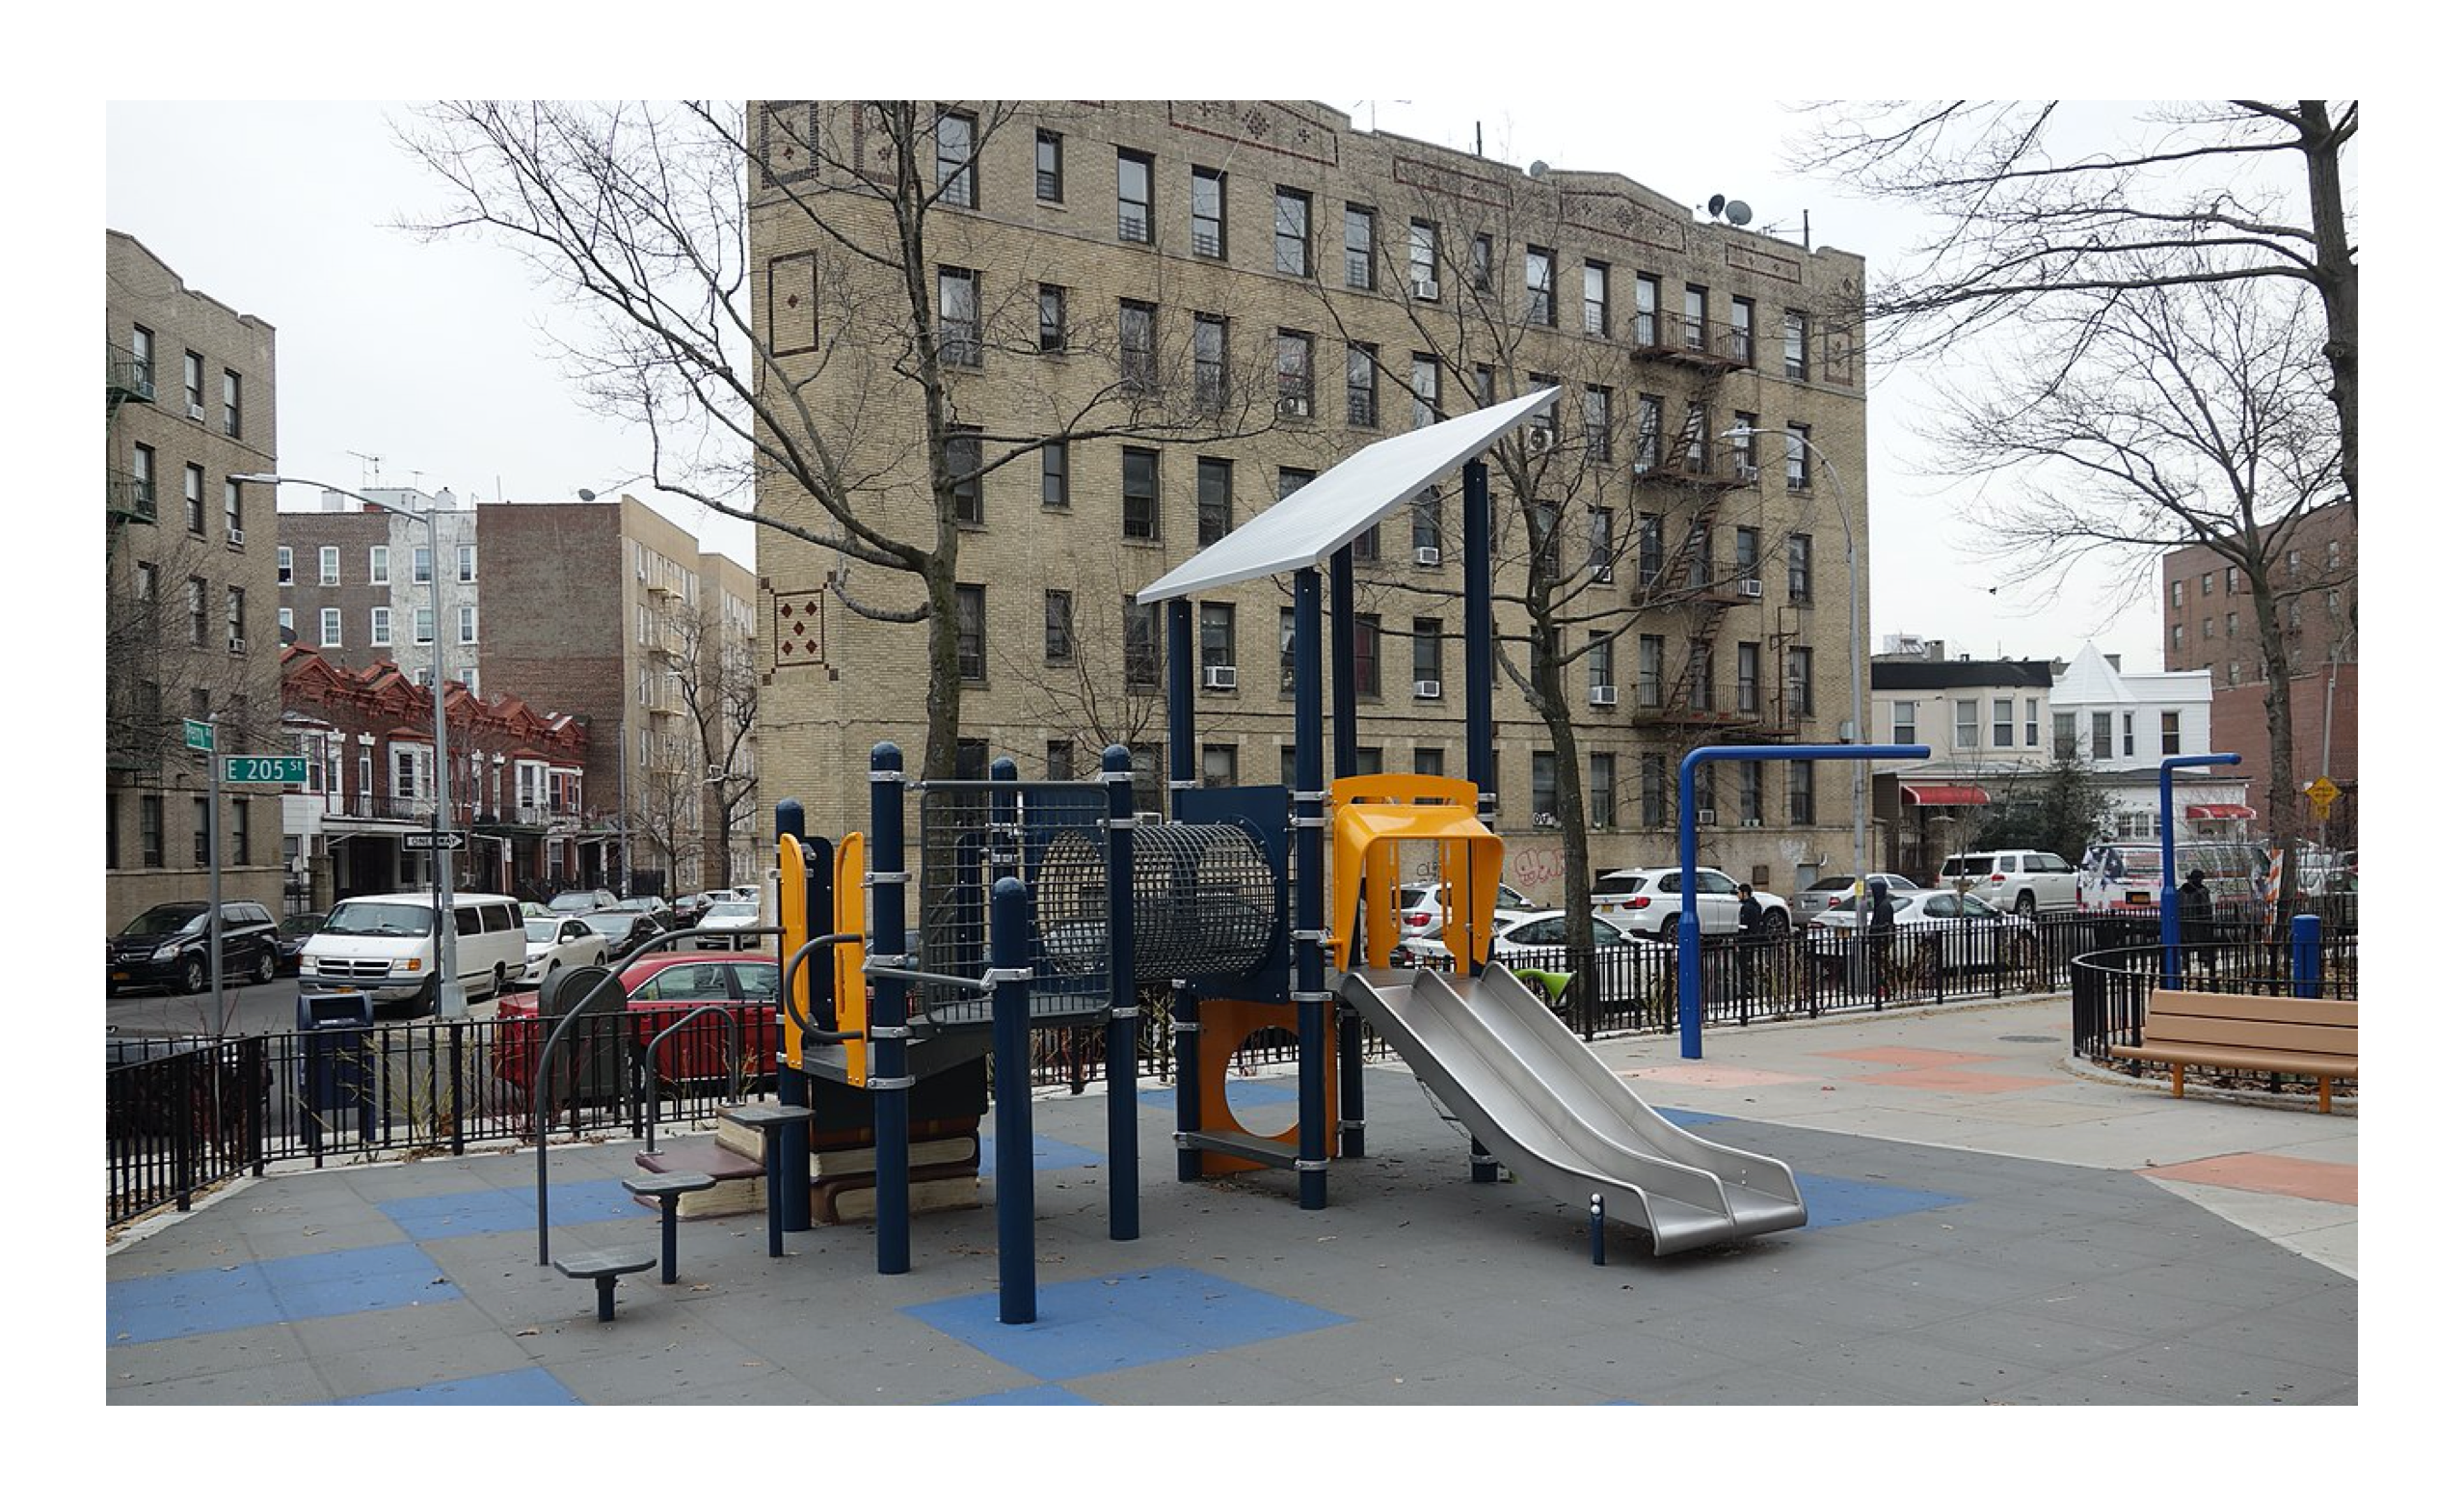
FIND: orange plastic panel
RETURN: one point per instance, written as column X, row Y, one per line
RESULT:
column 847, row 959
column 1223, row 1025
column 1371, row 815
column 793, row 934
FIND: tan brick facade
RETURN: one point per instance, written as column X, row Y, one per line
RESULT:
column 838, row 683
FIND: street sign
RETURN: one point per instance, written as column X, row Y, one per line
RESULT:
column 198, row 735
column 2322, row 792
column 265, row 768
column 435, row 841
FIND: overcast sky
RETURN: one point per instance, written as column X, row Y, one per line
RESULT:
column 410, row 365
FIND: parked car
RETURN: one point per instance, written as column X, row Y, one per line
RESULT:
column 734, row 915
column 386, row 946
column 652, row 905
column 659, row 991
column 290, row 938
column 1421, row 908
column 556, row 942
column 2014, row 879
column 622, row 929
column 691, row 907
column 1644, row 902
column 1973, row 935
column 2124, row 877
column 166, row 947
column 581, row 902
column 1539, row 940
column 1839, row 892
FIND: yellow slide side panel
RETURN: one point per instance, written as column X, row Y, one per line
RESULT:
column 792, row 934
column 847, row 959
column 1471, row 859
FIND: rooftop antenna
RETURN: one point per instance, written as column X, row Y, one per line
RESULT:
column 371, row 466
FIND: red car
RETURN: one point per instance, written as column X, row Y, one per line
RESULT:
column 660, row 990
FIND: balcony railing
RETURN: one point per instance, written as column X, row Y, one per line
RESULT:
column 126, row 374
column 1685, row 341
column 125, row 496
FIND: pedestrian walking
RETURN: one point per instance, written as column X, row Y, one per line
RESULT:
column 1882, row 934
column 2196, row 911
column 1752, row 946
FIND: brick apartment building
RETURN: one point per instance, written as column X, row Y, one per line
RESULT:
column 1333, row 286
column 189, row 582
column 2206, row 611
column 356, row 583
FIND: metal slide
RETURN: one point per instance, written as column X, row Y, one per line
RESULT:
column 1538, row 1098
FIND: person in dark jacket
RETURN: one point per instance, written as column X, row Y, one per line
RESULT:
column 1882, row 931
column 2196, row 911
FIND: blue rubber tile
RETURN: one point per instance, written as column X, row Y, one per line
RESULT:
column 1027, row 1396
column 1114, row 1321
column 1689, row 1119
column 499, row 1210
column 146, row 1309
column 1241, row 1092
column 1051, row 1155
column 532, row 1388
column 1833, row 1201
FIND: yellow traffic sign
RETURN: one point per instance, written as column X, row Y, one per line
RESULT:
column 2322, row 792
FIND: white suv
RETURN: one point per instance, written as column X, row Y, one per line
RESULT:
column 2015, row 881
column 1644, row 901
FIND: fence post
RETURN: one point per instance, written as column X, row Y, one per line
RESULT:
column 2305, row 956
column 1121, row 1027
column 1013, row 1106
column 886, row 1020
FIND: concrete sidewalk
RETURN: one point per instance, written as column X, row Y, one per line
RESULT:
column 1988, row 1223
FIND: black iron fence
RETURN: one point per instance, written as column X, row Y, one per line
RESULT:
column 2109, row 987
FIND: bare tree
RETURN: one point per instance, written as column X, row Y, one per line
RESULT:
column 712, row 671
column 841, row 429
column 2190, row 414
column 2242, row 192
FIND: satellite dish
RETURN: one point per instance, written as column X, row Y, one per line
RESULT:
column 1718, row 202
column 1538, row 169
column 1739, row 212
column 587, row 494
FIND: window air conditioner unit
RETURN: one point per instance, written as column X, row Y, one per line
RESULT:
column 1748, row 473
column 239, row 645
column 1706, row 817
column 1751, row 589
column 196, row 411
column 1424, row 289
column 238, row 536
column 1426, row 555
column 1426, row 690
column 1291, row 406
column 1221, row 677
column 1603, row 695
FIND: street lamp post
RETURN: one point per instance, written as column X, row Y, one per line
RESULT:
column 451, row 1003
column 1860, row 780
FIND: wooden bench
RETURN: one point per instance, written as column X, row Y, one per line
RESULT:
column 2254, row 1032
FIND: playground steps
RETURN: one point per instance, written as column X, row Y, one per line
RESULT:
column 941, row 1173
column 737, row 1177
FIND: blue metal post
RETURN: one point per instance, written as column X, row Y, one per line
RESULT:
column 2306, row 956
column 2168, row 904
column 1309, row 994
column 1352, row 1086
column 1120, row 1035
column 886, row 1020
column 1181, row 765
column 1013, row 1106
column 795, row 1141
column 1480, row 649
column 1689, row 928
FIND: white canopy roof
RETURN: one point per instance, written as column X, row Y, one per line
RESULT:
column 1339, row 506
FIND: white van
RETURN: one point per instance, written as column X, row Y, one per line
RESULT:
column 386, row 946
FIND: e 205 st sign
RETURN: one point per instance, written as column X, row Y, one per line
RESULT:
column 267, row 770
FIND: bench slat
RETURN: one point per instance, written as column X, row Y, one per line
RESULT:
column 2296, row 1064
column 2251, row 1035
column 2343, row 1013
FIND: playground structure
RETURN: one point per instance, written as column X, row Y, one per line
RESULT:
column 1048, row 902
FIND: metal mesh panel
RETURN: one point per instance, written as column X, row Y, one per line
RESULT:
column 1202, row 901
column 971, row 834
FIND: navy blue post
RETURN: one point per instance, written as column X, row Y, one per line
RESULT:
column 2168, row 904
column 795, row 1141
column 1013, row 1106
column 886, row 1021
column 1689, row 928
column 1180, row 765
column 1309, row 994
column 2306, row 957
column 1351, row 1085
column 1480, row 649
column 1120, row 1035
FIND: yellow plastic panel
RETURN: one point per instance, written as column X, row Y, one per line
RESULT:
column 847, row 959
column 792, row 934
column 1371, row 815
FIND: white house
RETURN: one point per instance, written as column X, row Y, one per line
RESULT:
column 2124, row 725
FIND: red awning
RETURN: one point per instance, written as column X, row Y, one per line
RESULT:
column 1942, row 794
column 2221, row 813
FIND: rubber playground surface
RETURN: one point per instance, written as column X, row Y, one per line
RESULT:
column 1988, row 1223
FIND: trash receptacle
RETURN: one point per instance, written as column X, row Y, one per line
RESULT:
column 334, row 1065
column 591, row 1065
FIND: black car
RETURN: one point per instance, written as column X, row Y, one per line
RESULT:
column 624, row 930
column 290, row 938
column 164, row 948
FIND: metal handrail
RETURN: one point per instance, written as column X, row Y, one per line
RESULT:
column 539, row 1091
column 797, row 1017
column 649, row 1066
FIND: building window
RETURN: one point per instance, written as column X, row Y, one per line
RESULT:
column 1647, row 310
column 2233, row 625
column 1208, row 355
column 329, row 565
column 1215, row 638
column 200, row 835
column 1800, row 568
column 962, row 456
column 1594, row 298
column 1052, row 319
column 423, row 624
column 1650, row 688
column 1423, row 253
column 1060, row 634
column 1741, row 330
column 1602, row 540
column 328, row 627
column 1428, row 656
column 1697, row 439
column 2101, row 736
column 2130, row 735
column 1698, row 692
column 1801, row 791
column 1743, row 450
column 1964, row 725
column 2232, row 579
column 1903, row 723
column 1427, row 525
column 1595, row 423
column 1801, row 681
column 1426, row 408
column 1646, row 432
column 1749, row 676
column 1057, row 474
column 380, row 627
column 1137, row 178
column 195, row 612
column 380, row 565
column 1603, row 790
column 971, row 633
column 2032, row 721
column 1292, row 231
column 962, row 334
column 1698, row 316
column 1206, row 214
column 1283, row 650
column 149, row 830
column 235, row 616
column 1138, row 345
column 1213, row 499
column 231, row 404
column 195, row 487
column 2066, row 735
column 2207, row 583
column 2207, row 627
column 1296, row 379
column 1792, row 342
column 1059, row 760
column 1139, row 509
column 1219, row 765
column 1600, row 663
column 1141, row 643
column 1748, row 807
column 193, row 374
column 2005, row 730
column 1799, row 450
column 1289, row 479
column 422, row 568
column 1360, row 385
column 468, row 626
column 1543, row 787
column 1359, row 247
column 2169, row 730
column 1540, row 284
column 283, row 564
column 1048, row 167
column 1367, row 663
column 1749, row 556
column 143, row 481
column 954, row 158
column 2177, row 593
column 466, row 563
column 231, row 510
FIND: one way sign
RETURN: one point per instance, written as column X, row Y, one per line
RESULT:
column 435, row 841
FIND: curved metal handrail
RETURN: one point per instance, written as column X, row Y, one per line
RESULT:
column 650, row 1065
column 539, row 1090
column 787, row 988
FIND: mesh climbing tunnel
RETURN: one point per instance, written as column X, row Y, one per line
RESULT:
column 1202, row 901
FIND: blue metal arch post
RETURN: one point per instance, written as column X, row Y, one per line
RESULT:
column 1120, row 1035
column 886, row 1019
column 1309, row 993
column 1480, row 649
column 1352, row 1086
column 1181, row 723
column 795, row 1139
column 1013, row 1106
column 2168, row 904
column 1688, row 928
